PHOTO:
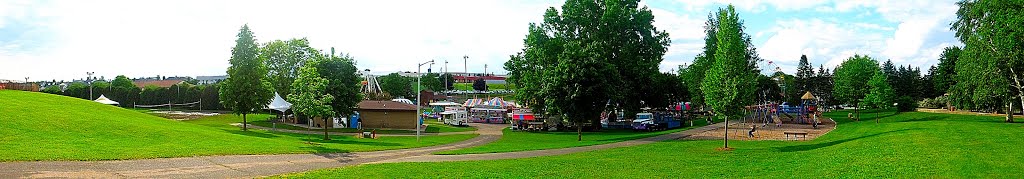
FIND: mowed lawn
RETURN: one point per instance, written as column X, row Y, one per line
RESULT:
column 513, row 141
column 906, row 145
column 39, row 126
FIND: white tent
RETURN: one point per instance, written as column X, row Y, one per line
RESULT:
column 279, row 103
column 104, row 100
column 445, row 103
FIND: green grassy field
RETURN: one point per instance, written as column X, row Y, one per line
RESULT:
column 38, row 126
column 906, row 145
column 513, row 141
column 469, row 86
column 432, row 127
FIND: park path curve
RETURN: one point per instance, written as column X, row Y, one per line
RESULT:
column 321, row 132
column 550, row 152
column 247, row 166
column 230, row 166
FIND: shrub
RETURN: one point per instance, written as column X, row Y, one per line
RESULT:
column 934, row 103
column 905, row 103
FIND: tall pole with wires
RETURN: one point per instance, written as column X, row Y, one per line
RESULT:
column 419, row 99
column 89, row 80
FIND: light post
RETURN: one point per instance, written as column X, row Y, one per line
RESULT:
column 446, row 78
column 419, row 99
column 89, row 80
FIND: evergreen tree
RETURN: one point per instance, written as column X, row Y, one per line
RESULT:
column 804, row 76
column 944, row 76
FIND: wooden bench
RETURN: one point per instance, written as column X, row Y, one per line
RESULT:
column 795, row 134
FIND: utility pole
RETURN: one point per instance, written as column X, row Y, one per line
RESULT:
column 419, row 99
column 89, row 80
column 446, row 78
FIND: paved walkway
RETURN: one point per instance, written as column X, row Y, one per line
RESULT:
column 321, row 132
column 247, row 166
column 550, row 152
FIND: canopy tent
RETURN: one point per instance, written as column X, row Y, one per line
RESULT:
column 279, row 103
column 104, row 100
column 473, row 102
column 497, row 102
column 807, row 96
column 445, row 103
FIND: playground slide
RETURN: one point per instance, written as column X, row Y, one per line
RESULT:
column 789, row 116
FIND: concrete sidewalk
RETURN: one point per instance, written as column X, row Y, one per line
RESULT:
column 321, row 132
column 550, row 152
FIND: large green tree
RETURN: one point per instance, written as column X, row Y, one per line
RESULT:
column 629, row 45
column 991, row 32
column 693, row 75
column 343, row 82
column 577, row 89
column 246, row 90
column 310, row 96
column 851, row 79
column 397, row 85
column 283, row 60
column 944, row 76
column 730, row 84
column 880, row 94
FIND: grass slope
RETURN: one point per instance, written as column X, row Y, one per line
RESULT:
column 906, row 145
column 513, row 141
column 38, row 126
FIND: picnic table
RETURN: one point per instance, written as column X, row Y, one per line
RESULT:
column 795, row 134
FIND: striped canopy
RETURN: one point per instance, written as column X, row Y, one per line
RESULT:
column 497, row 102
column 473, row 102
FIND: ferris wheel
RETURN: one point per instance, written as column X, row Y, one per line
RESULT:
column 774, row 68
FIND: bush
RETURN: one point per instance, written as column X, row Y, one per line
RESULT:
column 934, row 103
column 905, row 103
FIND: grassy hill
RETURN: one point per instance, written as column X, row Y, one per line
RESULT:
column 905, row 145
column 39, row 126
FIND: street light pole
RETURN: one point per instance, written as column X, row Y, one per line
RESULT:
column 419, row 98
column 446, row 78
column 89, row 80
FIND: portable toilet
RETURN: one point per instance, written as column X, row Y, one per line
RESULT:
column 354, row 121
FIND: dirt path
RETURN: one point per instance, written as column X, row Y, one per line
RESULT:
column 321, row 132
column 247, row 166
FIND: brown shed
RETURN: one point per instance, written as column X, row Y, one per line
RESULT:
column 387, row 115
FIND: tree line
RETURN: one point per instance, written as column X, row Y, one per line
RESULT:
column 127, row 94
column 594, row 56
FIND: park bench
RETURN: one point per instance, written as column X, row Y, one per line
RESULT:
column 795, row 134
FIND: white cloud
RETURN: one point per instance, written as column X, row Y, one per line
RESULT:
column 148, row 38
column 818, row 39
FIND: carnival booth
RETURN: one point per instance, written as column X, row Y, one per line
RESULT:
column 439, row 109
column 490, row 111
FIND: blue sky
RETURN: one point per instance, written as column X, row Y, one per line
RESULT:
column 63, row 39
